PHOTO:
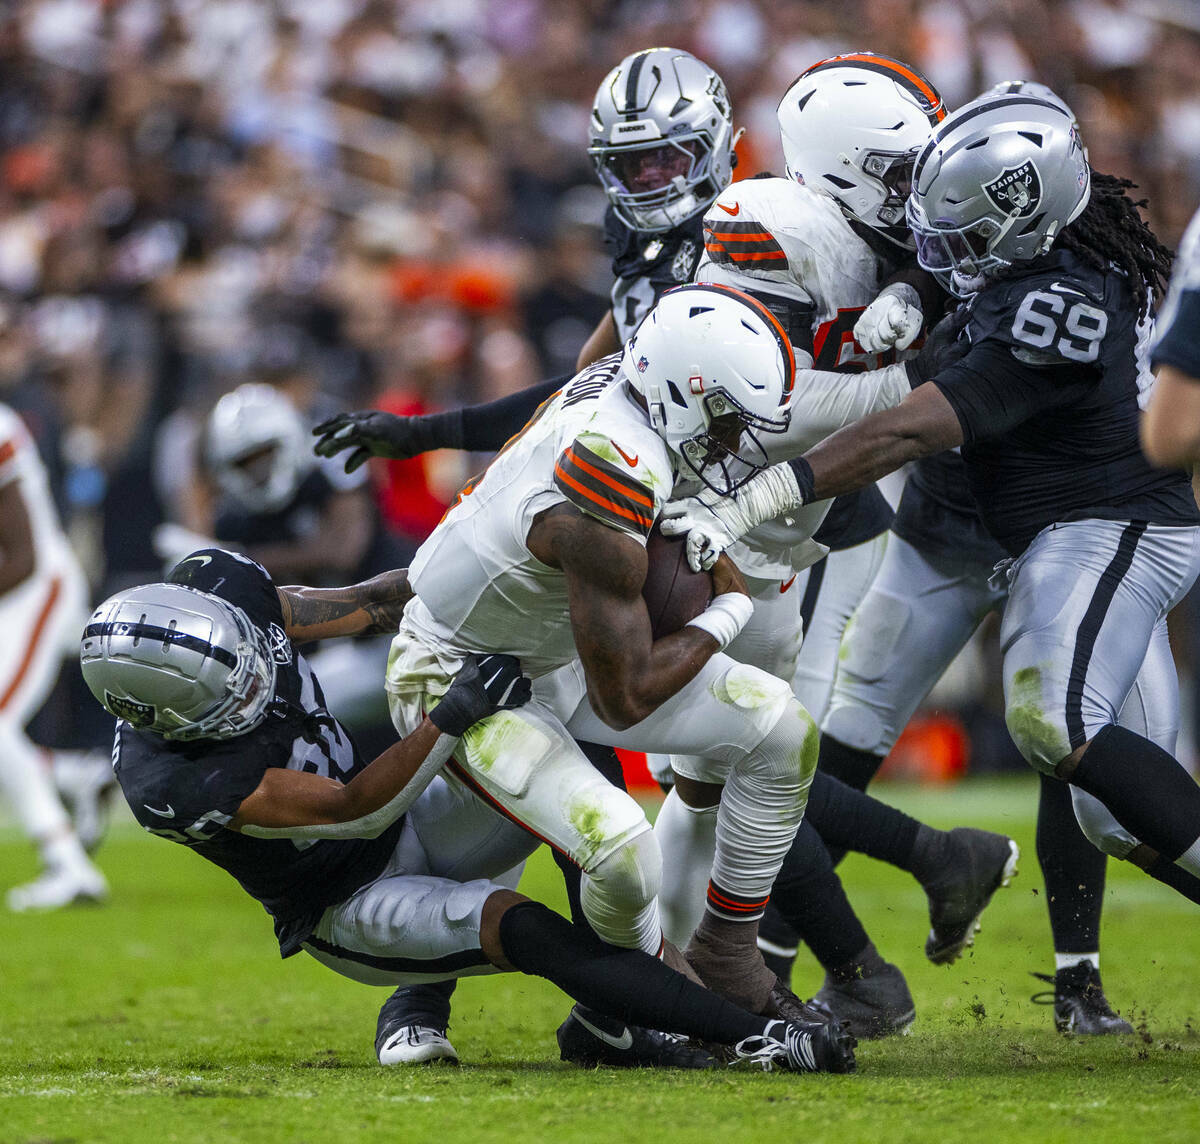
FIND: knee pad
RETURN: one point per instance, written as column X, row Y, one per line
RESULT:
column 858, row 726
column 788, row 753
column 1099, row 827
column 628, row 879
column 1042, row 739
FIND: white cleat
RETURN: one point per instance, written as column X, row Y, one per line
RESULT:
column 58, row 887
column 416, row 1044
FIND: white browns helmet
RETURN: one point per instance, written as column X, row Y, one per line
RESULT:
column 716, row 370
column 851, row 126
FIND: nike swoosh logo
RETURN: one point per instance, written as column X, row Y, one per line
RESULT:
column 168, row 813
column 624, row 1042
column 734, row 210
column 201, row 560
column 630, row 461
column 1059, row 288
column 786, row 585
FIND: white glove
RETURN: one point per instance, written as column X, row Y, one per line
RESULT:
column 172, row 542
column 713, row 523
column 893, row 319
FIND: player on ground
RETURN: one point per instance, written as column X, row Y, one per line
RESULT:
column 1044, row 402
column 1171, row 428
column 43, row 595
column 224, row 744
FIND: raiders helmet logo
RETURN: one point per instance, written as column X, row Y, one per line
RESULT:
column 1017, row 191
column 685, row 261
column 139, row 714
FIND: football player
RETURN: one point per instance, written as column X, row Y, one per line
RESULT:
column 932, row 591
column 1055, row 269
column 816, row 296
column 379, row 871
column 43, row 595
column 1171, row 428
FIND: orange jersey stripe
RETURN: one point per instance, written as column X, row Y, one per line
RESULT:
column 640, row 519
column 632, row 491
column 749, row 236
column 7, row 451
column 759, row 256
column 31, row 646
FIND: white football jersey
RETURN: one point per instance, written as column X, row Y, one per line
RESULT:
column 19, row 461
column 478, row 588
column 775, row 236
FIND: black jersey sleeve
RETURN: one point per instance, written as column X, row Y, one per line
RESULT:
column 485, row 428
column 233, row 577
column 991, row 391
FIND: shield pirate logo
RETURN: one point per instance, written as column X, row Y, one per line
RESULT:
column 1018, row 190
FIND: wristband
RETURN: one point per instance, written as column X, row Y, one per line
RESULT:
column 805, row 481
column 724, row 618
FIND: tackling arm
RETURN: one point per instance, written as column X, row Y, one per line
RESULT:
column 371, row 608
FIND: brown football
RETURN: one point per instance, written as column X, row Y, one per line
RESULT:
column 673, row 593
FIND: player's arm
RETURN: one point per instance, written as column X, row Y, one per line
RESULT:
column 16, row 538
column 476, row 428
column 373, row 607
column 294, row 804
column 629, row 673
column 1171, row 424
column 602, row 341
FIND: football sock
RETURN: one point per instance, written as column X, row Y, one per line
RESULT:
column 624, row 983
column 1147, row 792
column 760, row 809
column 809, row 896
column 27, row 785
column 849, row 819
column 1073, row 870
column 426, row 1004
column 777, row 941
column 854, row 767
column 1162, row 869
column 605, row 760
column 1070, row 960
column 687, row 837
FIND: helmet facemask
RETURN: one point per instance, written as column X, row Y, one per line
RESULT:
column 729, row 453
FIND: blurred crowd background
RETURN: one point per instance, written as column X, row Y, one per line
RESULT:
column 379, row 202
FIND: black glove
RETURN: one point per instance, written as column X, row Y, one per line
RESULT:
column 371, row 433
column 484, row 685
column 942, row 348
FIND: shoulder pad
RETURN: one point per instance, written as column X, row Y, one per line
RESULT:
column 603, row 479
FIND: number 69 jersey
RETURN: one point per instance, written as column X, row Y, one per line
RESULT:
column 1047, row 398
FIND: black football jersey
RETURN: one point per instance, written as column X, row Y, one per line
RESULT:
column 1047, row 397
column 646, row 265
column 937, row 513
column 189, row 791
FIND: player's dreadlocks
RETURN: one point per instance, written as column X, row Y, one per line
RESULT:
column 1112, row 232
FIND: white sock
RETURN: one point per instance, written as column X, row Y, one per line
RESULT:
column 687, row 837
column 28, row 787
column 1070, row 960
column 1190, row 859
column 760, row 811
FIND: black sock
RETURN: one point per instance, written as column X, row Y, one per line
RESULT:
column 1073, row 870
column 1164, row 870
column 809, row 896
column 605, row 760
column 624, row 983
column 427, row 1004
column 848, row 819
column 1144, row 788
column 854, row 767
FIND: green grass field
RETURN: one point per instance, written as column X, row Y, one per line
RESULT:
column 168, row 1016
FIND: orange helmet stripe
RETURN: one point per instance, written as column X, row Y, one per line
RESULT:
column 912, row 79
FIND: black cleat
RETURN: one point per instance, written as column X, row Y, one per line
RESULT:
column 784, row 1005
column 589, row 1038
column 1079, row 1002
column 795, row 1047
column 978, row 863
column 878, row 1004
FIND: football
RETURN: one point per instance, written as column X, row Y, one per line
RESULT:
column 673, row 593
